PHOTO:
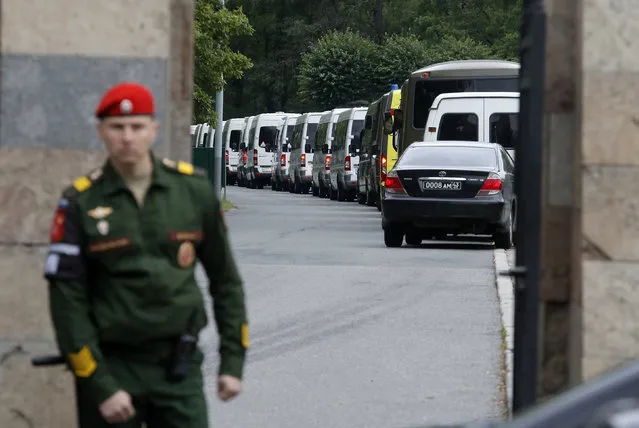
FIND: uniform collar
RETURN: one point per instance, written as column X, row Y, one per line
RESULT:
column 113, row 182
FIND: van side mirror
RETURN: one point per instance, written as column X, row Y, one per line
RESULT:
column 374, row 150
column 353, row 150
column 307, row 148
column 399, row 120
column 388, row 123
column 368, row 122
column 325, row 148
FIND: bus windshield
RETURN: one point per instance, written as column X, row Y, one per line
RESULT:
column 427, row 90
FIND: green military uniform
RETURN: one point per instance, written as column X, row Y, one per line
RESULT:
column 122, row 290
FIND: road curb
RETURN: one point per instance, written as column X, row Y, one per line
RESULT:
column 505, row 294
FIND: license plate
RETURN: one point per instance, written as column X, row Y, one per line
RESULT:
column 441, row 185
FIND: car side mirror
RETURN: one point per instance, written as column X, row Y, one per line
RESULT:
column 307, row 148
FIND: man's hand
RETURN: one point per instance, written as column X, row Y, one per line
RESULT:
column 228, row 387
column 117, row 408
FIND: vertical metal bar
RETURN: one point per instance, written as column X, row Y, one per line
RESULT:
column 219, row 160
column 528, row 185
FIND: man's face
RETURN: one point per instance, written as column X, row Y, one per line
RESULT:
column 128, row 139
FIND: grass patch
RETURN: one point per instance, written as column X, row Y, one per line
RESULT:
column 227, row 205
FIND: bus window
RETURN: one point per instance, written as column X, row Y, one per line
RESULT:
column 458, row 127
column 427, row 90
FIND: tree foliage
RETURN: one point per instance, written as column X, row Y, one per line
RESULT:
column 215, row 61
column 313, row 55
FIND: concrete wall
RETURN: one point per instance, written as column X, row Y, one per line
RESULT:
column 610, row 171
column 57, row 58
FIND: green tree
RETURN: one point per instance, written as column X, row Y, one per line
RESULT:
column 214, row 57
column 451, row 48
column 398, row 56
column 338, row 69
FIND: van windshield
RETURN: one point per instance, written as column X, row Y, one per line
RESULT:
column 268, row 138
column 504, row 129
column 427, row 90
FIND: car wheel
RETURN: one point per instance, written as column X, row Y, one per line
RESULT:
column 504, row 238
column 393, row 237
column 361, row 198
column 413, row 238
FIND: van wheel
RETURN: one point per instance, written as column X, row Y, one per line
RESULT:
column 297, row 188
column 370, row 198
column 393, row 237
column 361, row 198
column 332, row 194
column 260, row 184
column 341, row 194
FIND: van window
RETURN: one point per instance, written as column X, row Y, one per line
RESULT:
column 311, row 129
column 234, row 142
column 251, row 138
column 322, row 130
column 427, row 90
column 356, row 131
column 297, row 136
column 458, row 127
column 503, row 129
column 267, row 138
column 340, row 136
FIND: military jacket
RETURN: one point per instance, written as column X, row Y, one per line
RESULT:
column 123, row 273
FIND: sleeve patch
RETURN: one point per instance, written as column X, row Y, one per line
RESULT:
column 83, row 362
column 245, row 335
column 81, row 184
column 57, row 227
column 52, row 264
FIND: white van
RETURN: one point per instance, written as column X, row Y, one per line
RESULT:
column 231, row 136
column 243, row 156
column 280, row 179
column 321, row 153
column 301, row 157
column 475, row 116
column 345, row 154
column 204, row 136
column 261, row 146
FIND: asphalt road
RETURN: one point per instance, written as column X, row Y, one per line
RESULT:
column 347, row 333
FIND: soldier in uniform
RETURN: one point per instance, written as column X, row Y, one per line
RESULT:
column 124, row 302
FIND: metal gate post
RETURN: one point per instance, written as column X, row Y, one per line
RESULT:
column 528, row 185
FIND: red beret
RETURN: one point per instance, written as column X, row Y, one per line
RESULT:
column 126, row 99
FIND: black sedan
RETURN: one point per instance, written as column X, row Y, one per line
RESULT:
column 442, row 187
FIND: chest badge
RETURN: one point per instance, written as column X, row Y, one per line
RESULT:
column 186, row 254
column 99, row 213
column 103, row 227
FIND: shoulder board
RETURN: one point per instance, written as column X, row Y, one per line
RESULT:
column 84, row 182
column 183, row 167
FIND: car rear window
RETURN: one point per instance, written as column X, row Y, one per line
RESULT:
column 449, row 157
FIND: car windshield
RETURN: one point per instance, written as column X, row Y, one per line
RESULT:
column 448, row 157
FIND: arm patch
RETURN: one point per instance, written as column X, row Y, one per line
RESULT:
column 65, row 259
